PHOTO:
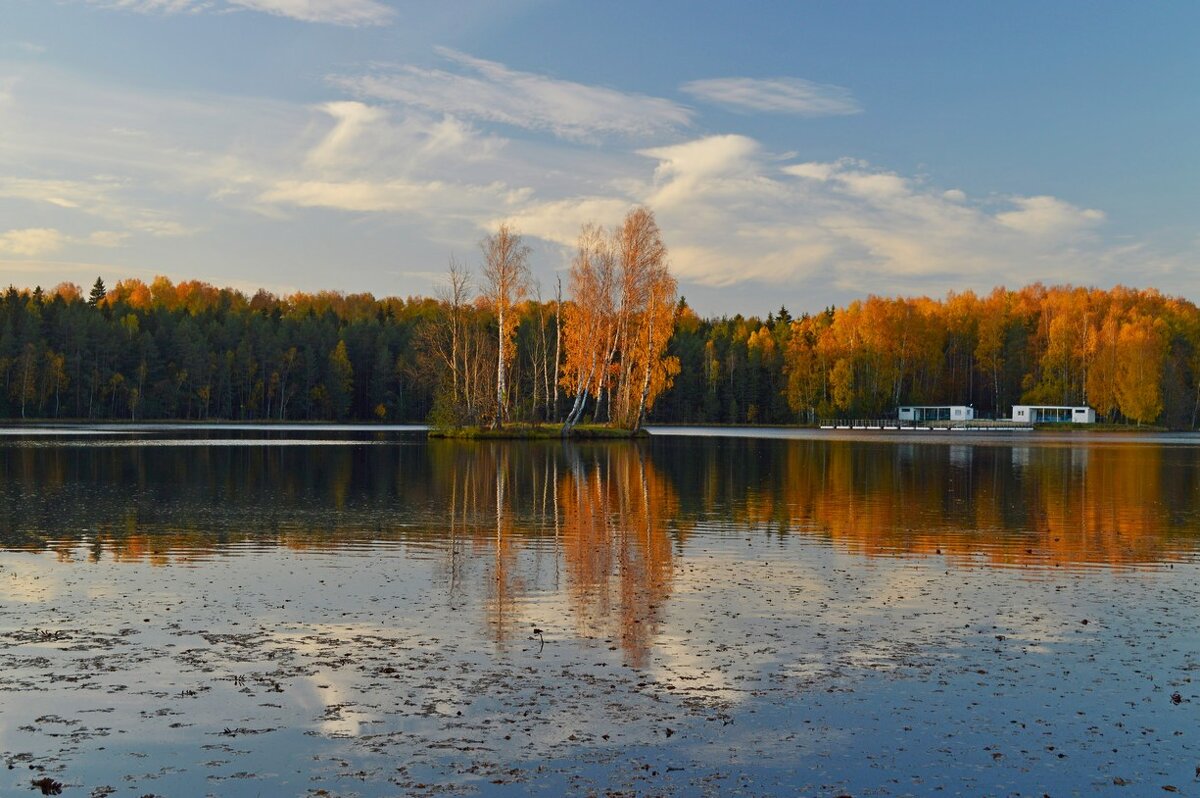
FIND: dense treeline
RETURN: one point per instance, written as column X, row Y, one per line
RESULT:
column 193, row 351
column 1132, row 355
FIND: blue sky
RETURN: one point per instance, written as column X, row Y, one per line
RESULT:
column 794, row 153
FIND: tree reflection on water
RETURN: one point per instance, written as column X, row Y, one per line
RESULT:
column 599, row 528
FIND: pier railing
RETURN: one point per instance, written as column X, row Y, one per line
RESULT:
column 896, row 424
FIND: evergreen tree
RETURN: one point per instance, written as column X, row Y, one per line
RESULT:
column 98, row 293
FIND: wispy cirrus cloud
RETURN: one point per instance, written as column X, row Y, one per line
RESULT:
column 353, row 13
column 152, row 166
column 371, row 160
column 371, row 139
column 428, row 198
column 98, row 197
column 775, row 95
column 490, row 91
column 155, row 6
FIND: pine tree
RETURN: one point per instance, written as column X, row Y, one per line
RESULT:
column 99, row 292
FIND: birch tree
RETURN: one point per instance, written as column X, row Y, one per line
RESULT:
column 587, row 318
column 620, row 320
column 506, row 281
column 455, row 294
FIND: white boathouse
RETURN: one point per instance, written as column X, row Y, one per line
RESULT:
column 1047, row 414
column 936, row 413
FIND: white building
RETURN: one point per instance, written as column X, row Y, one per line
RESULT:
column 937, row 413
column 1046, row 414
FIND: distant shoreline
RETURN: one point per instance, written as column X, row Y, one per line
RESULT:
column 537, row 432
column 1046, row 432
column 1063, row 427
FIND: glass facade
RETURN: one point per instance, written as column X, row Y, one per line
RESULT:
column 1051, row 414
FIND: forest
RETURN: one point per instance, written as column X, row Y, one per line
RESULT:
column 606, row 352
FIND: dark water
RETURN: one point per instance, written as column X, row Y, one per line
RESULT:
column 319, row 611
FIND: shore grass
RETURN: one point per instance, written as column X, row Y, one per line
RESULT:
column 1101, row 426
column 536, row 432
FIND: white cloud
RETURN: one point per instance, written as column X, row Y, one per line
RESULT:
column 775, row 95
column 559, row 221
column 358, row 195
column 1048, row 216
column 812, row 170
column 138, row 160
column 98, row 197
column 154, row 6
column 352, row 121
column 370, row 161
column 162, row 227
column 874, row 186
column 390, row 196
column 31, row 241
column 490, row 91
column 334, row 12
column 352, row 13
column 154, row 166
column 710, row 157
column 710, row 167
column 107, row 238
column 62, row 193
column 371, row 139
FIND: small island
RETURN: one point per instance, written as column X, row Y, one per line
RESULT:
column 610, row 344
column 520, row 431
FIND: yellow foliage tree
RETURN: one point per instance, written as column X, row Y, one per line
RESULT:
column 1141, row 351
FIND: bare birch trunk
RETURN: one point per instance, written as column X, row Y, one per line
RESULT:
column 641, row 410
column 557, row 342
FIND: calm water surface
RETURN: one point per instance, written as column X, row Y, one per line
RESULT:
column 241, row 611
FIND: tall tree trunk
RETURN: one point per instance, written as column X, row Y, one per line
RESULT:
column 547, row 411
column 558, row 342
column 500, row 373
column 580, row 397
column 641, row 410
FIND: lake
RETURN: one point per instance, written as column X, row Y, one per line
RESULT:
column 356, row 611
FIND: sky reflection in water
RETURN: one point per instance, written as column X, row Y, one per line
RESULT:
column 772, row 616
